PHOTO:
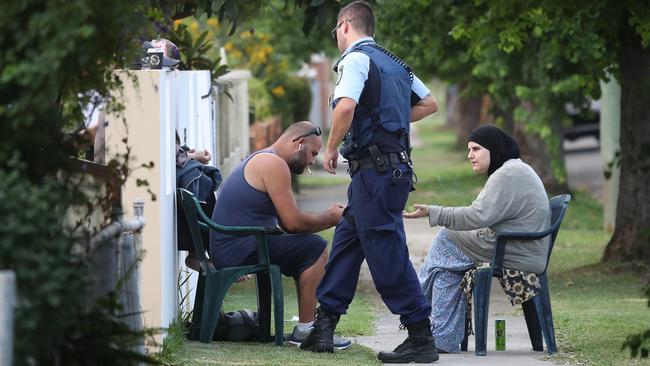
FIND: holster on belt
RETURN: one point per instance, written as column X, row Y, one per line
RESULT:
column 378, row 160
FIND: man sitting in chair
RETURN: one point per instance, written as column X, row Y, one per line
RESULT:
column 258, row 193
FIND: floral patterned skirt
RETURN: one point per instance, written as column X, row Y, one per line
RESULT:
column 519, row 287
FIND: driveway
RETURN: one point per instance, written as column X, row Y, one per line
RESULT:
column 584, row 166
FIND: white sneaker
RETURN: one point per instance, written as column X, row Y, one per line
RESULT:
column 298, row 336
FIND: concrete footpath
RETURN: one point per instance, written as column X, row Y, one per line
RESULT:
column 388, row 336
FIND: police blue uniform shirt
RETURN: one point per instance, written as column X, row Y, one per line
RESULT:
column 373, row 228
column 352, row 74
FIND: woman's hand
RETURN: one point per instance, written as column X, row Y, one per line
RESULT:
column 420, row 211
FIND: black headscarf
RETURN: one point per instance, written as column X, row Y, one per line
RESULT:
column 502, row 146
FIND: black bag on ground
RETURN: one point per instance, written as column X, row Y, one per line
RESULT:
column 237, row 326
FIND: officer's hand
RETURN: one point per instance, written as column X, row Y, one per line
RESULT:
column 336, row 210
column 330, row 158
column 420, row 211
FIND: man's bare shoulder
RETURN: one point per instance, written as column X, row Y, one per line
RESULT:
column 267, row 162
column 265, row 168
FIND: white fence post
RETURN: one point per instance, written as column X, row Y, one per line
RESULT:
column 7, row 306
column 232, row 120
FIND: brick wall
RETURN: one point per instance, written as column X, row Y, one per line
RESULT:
column 264, row 133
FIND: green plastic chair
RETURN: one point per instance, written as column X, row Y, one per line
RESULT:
column 214, row 283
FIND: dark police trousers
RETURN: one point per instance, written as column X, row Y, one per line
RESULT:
column 375, row 201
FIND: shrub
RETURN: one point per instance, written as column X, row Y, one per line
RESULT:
column 259, row 100
column 49, row 280
column 299, row 97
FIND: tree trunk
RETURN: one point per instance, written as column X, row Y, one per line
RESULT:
column 546, row 157
column 451, row 105
column 509, row 121
column 631, row 239
column 467, row 116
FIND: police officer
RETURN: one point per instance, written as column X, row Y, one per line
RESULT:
column 375, row 98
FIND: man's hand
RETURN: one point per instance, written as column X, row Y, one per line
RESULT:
column 341, row 122
column 336, row 211
column 420, row 211
column 244, row 278
column 330, row 157
column 202, row 156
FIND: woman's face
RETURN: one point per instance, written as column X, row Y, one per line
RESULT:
column 479, row 157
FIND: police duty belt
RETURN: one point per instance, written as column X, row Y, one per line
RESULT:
column 379, row 162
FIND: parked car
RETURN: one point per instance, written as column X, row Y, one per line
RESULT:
column 584, row 121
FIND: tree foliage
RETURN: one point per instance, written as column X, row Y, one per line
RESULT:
column 296, row 33
column 531, row 57
column 418, row 31
column 197, row 53
column 457, row 42
column 52, row 51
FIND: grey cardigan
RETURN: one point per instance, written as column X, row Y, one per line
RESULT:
column 513, row 199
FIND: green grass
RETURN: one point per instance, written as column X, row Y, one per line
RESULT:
column 229, row 353
column 594, row 306
column 173, row 342
column 359, row 321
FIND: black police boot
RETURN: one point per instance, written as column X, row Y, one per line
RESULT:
column 419, row 347
column 321, row 338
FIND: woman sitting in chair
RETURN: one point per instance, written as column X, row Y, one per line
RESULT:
column 513, row 199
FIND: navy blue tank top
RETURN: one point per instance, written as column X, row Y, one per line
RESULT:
column 239, row 204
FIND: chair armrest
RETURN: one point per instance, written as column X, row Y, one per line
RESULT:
column 525, row 236
column 503, row 237
column 228, row 230
column 260, row 237
column 240, row 231
column 203, row 226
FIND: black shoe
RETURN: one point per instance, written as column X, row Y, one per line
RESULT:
column 321, row 338
column 419, row 347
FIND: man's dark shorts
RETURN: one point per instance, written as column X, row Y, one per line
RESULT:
column 294, row 253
